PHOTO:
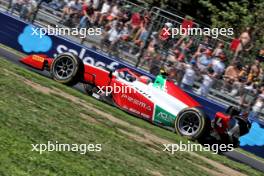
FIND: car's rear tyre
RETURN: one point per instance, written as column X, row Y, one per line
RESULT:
column 191, row 123
column 67, row 68
column 244, row 125
column 233, row 111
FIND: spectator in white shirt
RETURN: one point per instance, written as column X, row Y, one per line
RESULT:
column 105, row 10
column 248, row 96
column 218, row 65
column 112, row 36
column 258, row 105
column 207, row 83
column 189, row 77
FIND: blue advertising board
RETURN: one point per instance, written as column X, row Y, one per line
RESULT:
column 18, row 35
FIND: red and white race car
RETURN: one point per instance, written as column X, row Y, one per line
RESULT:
column 160, row 102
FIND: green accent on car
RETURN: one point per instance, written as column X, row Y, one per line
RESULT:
column 164, row 117
column 160, row 82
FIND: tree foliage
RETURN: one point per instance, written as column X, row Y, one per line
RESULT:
column 224, row 14
column 239, row 15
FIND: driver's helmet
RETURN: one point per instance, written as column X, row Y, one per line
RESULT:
column 164, row 72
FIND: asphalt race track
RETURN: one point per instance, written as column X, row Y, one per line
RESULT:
column 234, row 155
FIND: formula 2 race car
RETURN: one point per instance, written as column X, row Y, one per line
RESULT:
column 160, row 102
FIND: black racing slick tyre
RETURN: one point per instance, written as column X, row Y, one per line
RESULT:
column 191, row 123
column 67, row 69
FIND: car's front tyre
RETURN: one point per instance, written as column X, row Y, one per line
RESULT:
column 67, row 69
column 191, row 123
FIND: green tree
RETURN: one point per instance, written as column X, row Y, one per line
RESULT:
column 239, row 15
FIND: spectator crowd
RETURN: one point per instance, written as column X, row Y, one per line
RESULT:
column 186, row 61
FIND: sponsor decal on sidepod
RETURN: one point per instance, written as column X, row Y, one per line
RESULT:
column 86, row 58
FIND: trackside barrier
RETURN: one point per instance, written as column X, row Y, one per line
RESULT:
column 16, row 34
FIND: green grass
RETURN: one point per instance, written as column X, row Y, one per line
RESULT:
column 28, row 116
